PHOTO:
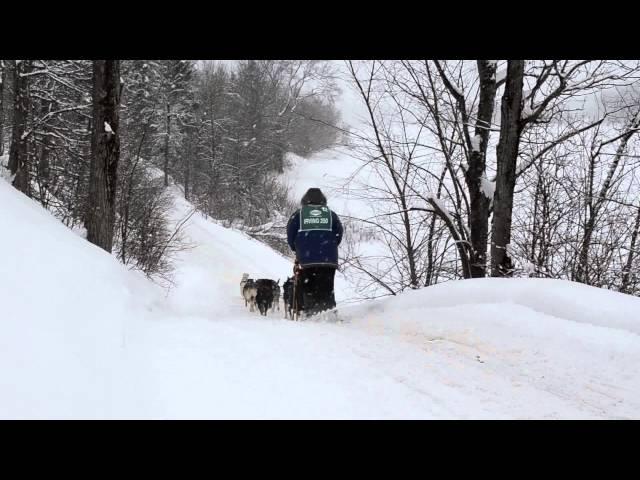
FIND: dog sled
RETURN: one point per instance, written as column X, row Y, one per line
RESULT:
column 264, row 295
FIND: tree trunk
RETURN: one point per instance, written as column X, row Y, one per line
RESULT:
column 43, row 170
column 461, row 245
column 187, row 167
column 213, row 173
column 18, row 152
column 626, row 276
column 105, row 153
column 3, row 69
column 81, row 197
column 507, row 155
column 475, row 175
column 40, row 155
column 166, row 146
column 431, row 268
column 410, row 249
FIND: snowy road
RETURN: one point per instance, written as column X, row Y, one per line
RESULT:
column 243, row 366
column 453, row 351
column 89, row 339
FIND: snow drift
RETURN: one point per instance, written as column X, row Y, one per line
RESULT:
column 63, row 305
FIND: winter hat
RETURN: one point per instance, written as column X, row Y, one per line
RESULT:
column 314, row 196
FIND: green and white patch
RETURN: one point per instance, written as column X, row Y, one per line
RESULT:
column 315, row 217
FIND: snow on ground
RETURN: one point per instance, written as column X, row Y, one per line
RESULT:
column 82, row 337
column 64, row 310
column 209, row 274
column 527, row 348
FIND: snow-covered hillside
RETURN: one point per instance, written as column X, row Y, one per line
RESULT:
column 338, row 174
column 82, row 337
column 65, row 308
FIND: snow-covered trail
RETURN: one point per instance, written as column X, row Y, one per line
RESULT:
column 240, row 367
column 208, row 356
column 243, row 366
column 82, row 337
column 208, row 275
column 456, row 353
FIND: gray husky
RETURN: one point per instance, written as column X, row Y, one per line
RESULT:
column 249, row 292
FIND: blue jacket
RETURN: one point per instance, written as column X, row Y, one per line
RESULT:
column 315, row 247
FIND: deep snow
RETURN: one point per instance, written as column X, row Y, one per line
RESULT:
column 82, row 337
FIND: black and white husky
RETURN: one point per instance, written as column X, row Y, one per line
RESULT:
column 245, row 277
column 249, row 293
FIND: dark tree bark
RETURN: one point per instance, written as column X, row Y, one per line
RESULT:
column 18, row 153
column 166, row 146
column 507, row 155
column 187, row 158
column 41, row 161
column 3, row 69
column 82, row 180
column 213, row 173
column 475, row 176
column 626, row 276
column 105, row 153
column 191, row 150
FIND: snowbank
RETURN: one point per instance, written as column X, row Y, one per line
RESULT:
column 537, row 348
column 62, row 311
column 562, row 299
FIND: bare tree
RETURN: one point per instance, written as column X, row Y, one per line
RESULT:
column 398, row 171
column 411, row 206
column 597, row 201
column 629, row 272
column 18, row 153
column 551, row 88
column 3, row 69
column 476, row 148
column 575, row 207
